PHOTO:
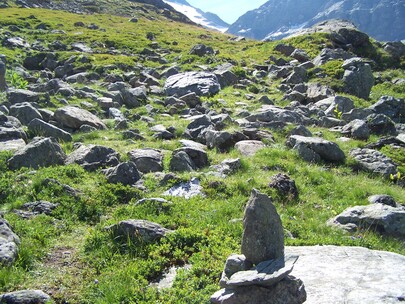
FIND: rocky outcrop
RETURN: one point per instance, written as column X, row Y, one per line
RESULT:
column 275, row 20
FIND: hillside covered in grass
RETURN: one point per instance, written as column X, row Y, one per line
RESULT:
column 266, row 92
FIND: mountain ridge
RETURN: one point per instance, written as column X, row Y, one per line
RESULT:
column 381, row 19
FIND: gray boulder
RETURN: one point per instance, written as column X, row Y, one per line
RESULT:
column 39, row 127
column 263, row 234
column 358, row 129
column 374, row 161
column 228, row 166
column 74, row 118
column 284, row 185
column 317, row 91
column 24, row 112
column 3, row 84
column 225, row 75
column 201, row 83
column 197, row 127
column 221, row 140
column 181, row 162
column 382, row 218
column 25, row 297
column 147, row 160
column 381, row 124
column 358, row 77
column 93, row 157
column 356, row 113
column 12, row 133
column 249, row 147
column 9, row 243
column 315, row 149
column 138, row 230
column 328, row 54
column 201, row 50
column 39, row 207
column 19, row 96
column 392, row 107
column 41, row 152
column 12, row 145
column 124, row 173
column 270, row 113
column 382, row 199
column 289, row 290
column 197, row 155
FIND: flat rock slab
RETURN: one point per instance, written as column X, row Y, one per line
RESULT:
column 374, row 161
column 201, row 83
column 267, row 273
column 349, row 275
column 249, row 147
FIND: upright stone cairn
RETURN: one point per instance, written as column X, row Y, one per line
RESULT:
column 3, row 85
column 261, row 273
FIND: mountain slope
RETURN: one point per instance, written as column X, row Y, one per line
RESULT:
column 381, row 19
column 196, row 15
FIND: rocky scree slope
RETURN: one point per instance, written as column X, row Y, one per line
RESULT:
column 138, row 143
column 381, row 19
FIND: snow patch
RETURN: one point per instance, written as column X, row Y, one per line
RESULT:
column 194, row 15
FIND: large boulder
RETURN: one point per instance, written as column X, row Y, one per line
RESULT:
column 147, row 160
column 358, row 129
column 315, row 149
column 358, row 77
column 382, row 218
column 349, row 275
column 93, row 157
column 374, row 161
column 74, row 118
column 15, row 96
column 124, row 173
column 138, row 230
column 24, row 112
column 39, row 127
column 25, row 297
column 41, row 152
column 263, row 234
column 9, row 243
column 201, row 83
column 270, row 113
column 392, row 107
